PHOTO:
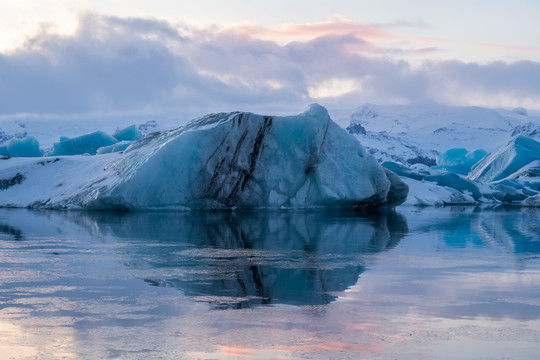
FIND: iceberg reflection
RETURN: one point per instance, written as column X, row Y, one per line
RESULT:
column 246, row 259
column 230, row 259
column 517, row 231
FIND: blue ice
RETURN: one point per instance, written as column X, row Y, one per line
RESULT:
column 27, row 147
column 85, row 144
column 459, row 160
column 131, row 133
column 119, row 146
column 504, row 162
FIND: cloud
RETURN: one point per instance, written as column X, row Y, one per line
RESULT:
column 335, row 26
column 116, row 64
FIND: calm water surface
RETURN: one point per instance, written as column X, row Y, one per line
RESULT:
column 449, row 283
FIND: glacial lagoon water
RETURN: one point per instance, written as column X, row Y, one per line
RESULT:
column 431, row 283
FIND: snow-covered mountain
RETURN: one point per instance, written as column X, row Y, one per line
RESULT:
column 419, row 133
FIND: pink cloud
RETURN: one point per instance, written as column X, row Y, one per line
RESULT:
column 376, row 33
column 336, row 26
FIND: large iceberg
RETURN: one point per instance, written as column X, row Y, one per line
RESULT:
column 220, row 161
column 506, row 161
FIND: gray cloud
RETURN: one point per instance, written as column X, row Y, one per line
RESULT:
column 130, row 65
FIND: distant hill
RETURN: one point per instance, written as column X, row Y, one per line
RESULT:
column 420, row 132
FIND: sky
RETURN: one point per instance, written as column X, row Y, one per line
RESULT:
column 160, row 56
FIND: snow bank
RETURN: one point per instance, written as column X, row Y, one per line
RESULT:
column 531, row 201
column 425, row 193
column 219, row 161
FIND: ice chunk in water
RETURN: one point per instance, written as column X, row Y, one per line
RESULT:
column 532, row 201
column 459, row 160
column 4, row 151
column 85, row 144
column 131, row 133
column 27, row 147
column 456, row 182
